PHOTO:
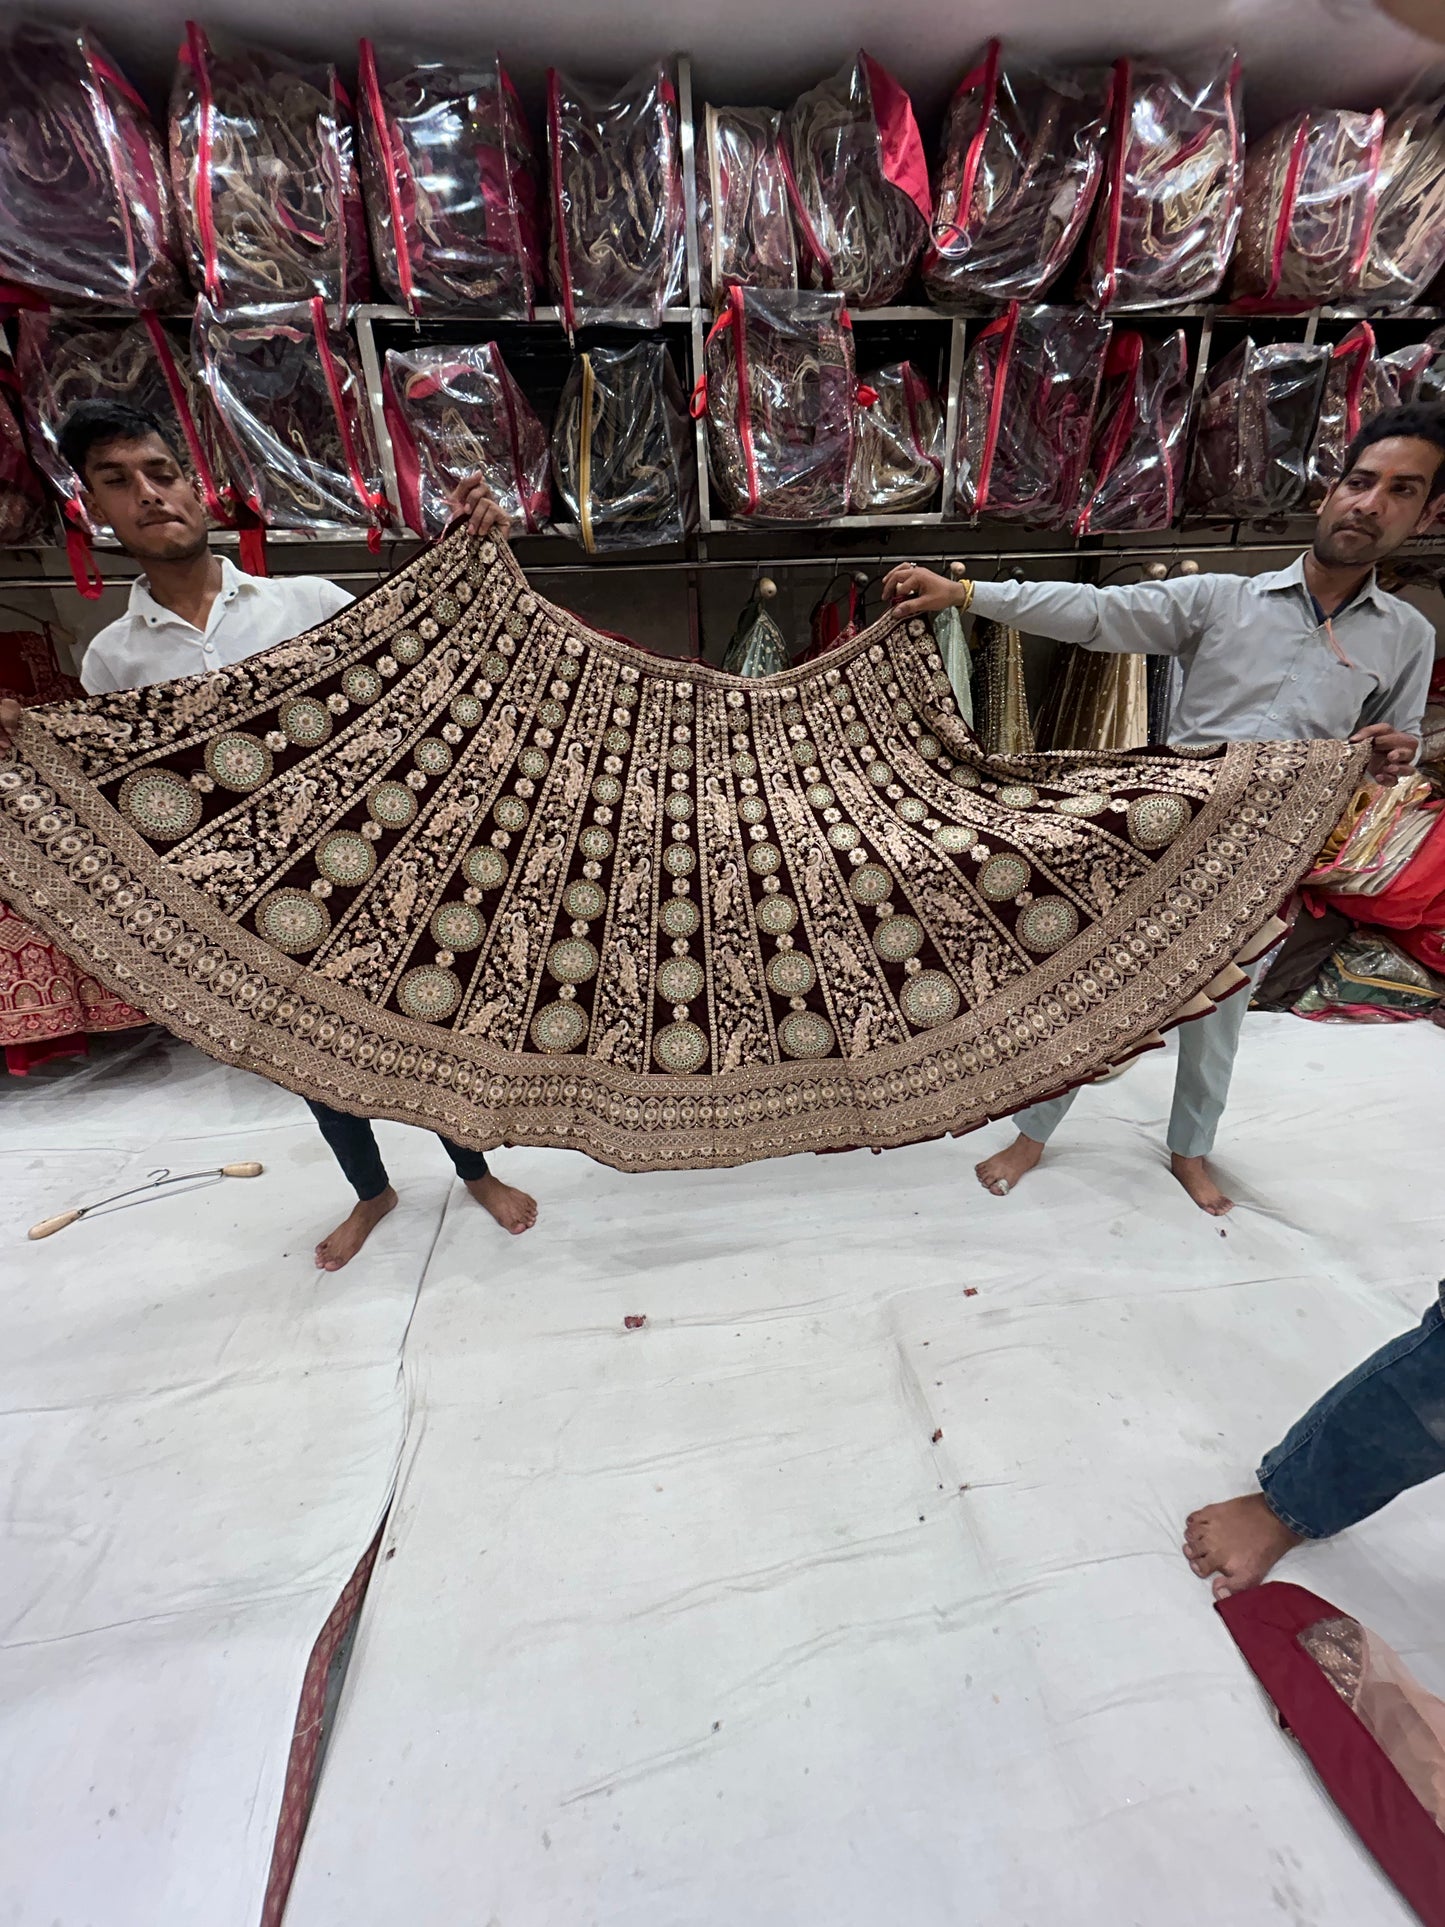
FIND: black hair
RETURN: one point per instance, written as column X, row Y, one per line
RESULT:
column 95, row 424
column 1418, row 421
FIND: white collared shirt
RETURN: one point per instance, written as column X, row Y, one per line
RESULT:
column 150, row 644
column 1257, row 663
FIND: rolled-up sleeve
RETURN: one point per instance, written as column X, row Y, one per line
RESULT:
column 1136, row 619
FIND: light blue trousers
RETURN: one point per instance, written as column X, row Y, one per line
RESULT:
column 1207, row 1050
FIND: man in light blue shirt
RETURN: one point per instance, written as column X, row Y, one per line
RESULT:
column 1314, row 650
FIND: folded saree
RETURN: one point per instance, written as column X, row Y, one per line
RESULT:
column 1257, row 422
column 1407, row 247
column 452, row 412
column 898, row 443
column 1310, row 190
column 1135, row 471
column 450, row 174
column 263, row 156
column 1023, row 153
column 1168, row 210
column 455, row 858
column 621, row 451
column 744, row 222
column 858, row 182
column 86, row 211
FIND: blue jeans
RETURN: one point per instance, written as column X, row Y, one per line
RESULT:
column 354, row 1145
column 1371, row 1437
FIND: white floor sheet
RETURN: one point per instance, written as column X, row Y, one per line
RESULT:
column 199, row 1434
column 700, row 1625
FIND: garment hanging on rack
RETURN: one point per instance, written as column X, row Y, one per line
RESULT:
column 758, row 646
column 1095, row 701
column 948, row 633
column 1004, row 725
column 455, row 858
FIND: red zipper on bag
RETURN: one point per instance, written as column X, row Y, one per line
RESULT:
column 195, row 54
column 1007, row 325
column 373, row 503
column 371, row 89
column 180, row 401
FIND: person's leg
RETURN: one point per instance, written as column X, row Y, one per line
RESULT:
column 1036, row 1126
column 513, row 1210
column 1207, row 1050
column 353, row 1144
column 1372, row 1436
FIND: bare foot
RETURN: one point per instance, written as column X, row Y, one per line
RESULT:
column 1194, row 1174
column 513, row 1210
column 1238, row 1541
column 352, row 1233
column 1002, row 1171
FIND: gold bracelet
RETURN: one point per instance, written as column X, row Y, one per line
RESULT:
column 967, row 586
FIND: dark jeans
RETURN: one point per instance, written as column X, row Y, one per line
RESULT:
column 1371, row 1437
column 354, row 1143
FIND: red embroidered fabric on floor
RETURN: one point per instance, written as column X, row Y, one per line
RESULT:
column 451, row 184
column 1023, row 154
column 47, row 1003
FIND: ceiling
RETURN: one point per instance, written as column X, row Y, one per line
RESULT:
column 1335, row 52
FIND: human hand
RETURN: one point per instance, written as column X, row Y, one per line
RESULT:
column 10, row 714
column 919, row 592
column 1391, row 751
column 485, row 515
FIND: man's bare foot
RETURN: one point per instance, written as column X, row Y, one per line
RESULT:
column 1238, row 1541
column 1002, row 1171
column 1194, row 1174
column 352, row 1233
column 513, row 1210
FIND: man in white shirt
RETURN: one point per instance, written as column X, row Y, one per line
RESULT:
column 193, row 611
column 1314, row 650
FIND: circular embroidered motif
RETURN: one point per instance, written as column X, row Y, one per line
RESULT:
column 292, row 920
column 929, row 998
column 534, row 763
column 1157, row 820
column 584, row 900
column 484, row 868
column 567, row 669
column 679, row 757
column 898, row 938
column 870, row 883
column 595, row 844
column 237, row 761
column 844, row 836
column 433, row 755
column 679, row 980
column 429, row 993
column 606, row 790
column 446, row 609
column 306, row 721
column 680, row 917
column 494, row 667
column 777, row 915
column 362, row 684
column 791, row 973
column 559, row 1027
column 764, row 859
column 616, row 741
column 964, row 778
column 677, row 859
column 1048, row 923
column 467, row 710
column 392, row 805
column 407, row 647
column 550, row 713
column 804, row 753
column 912, row 810
column 457, row 926
column 511, row 812
column 678, row 806
column 880, row 775
column 955, row 837
column 680, row 1048
column 856, row 735
column 744, row 765
column 1086, row 803
column 820, row 796
column 1018, row 796
column 751, row 809
column 804, row 1033
column 345, row 858
column 160, row 804
column 1003, row 877
column 927, row 747
column 573, row 960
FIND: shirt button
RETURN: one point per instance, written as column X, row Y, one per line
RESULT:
column 210, row 649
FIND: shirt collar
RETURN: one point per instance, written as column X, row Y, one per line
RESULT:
column 143, row 606
column 1273, row 581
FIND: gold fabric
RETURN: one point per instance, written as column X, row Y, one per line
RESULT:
column 1004, row 725
column 457, row 859
column 1096, row 702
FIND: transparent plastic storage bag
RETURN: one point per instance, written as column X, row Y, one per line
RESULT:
column 1407, row 247
column 1310, row 188
column 1134, row 477
column 457, row 411
column 745, row 224
column 264, row 164
column 450, row 173
column 1168, row 210
column 1022, row 157
column 897, row 443
column 1358, row 386
column 620, row 449
column 1256, row 427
